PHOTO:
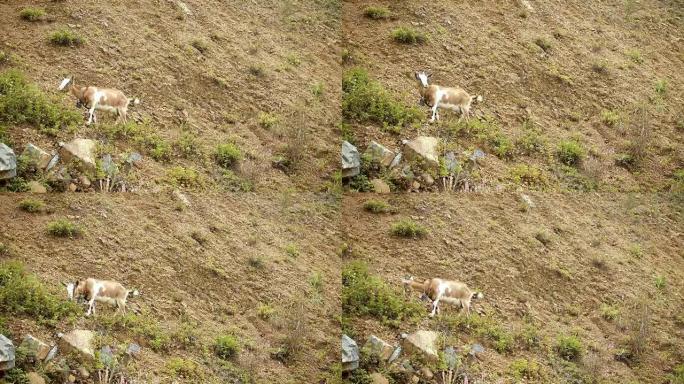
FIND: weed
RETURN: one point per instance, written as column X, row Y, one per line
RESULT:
column 63, row 228
column 265, row 311
column 635, row 56
column 256, row 262
column 636, row 250
column 184, row 177
column 317, row 89
column 487, row 132
column 532, row 141
column 226, row 346
column 235, row 183
column 406, row 35
column 660, row 282
column 32, row 14
column 32, row 205
column 295, row 328
column 376, row 13
column 268, row 120
column 5, row 57
column 570, row 152
column 179, row 367
column 574, row 180
column 610, row 312
column 569, row 347
column 361, row 183
column 377, row 206
column 293, row 59
column 638, row 331
column 200, row 45
column 600, row 67
column 227, row 154
column 408, row 228
column 528, row 336
column 292, row 250
column 296, row 141
column 660, row 87
column 543, row 43
column 141, row 326
column 528, row 175
column 610, row 118
column 486, row 327
column 66, row 37
column 524, row 369
column 316, row 282
column 187, row 145
column 257, row 70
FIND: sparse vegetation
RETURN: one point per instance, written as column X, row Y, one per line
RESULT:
column 600, row 67
column 32, row 205
column 569, row 347
column 570, row 152
column 408, row 228
column 610, row 118
column 610, row 312
column 635, row 56
column 268, row 120
column 660, row 87
column 187, row 145
column 184, row 177
column 376, row 206
column 316, row 282
column 265, row 311
column 528, row 175
column 227, row 154
column 66, row 37
column 292, row 250
column 376, row 12
column 660, row 282
column 677, row 375
column 486, row 131
column 179, row 367
column 406, row 35
column 531, row 142
column 524, row 369
column 544, row 44
column 226, row 346
column 32, row 14
column 63, row 228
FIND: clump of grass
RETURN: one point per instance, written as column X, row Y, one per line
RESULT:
column 543, row 43
column 187, row 145
column 292, row 250
column 636, row 250
column 531, row 142
column 610, row 118
column 142, row 326
column 317, row 89
column 367, row 294
column 660, row 282
column 635, row 56
column 365, row 100
column 677, row 375
column 200, row 45
column 143, row 134
column 23, row 294
column 486, row 327
column 268, row 120
column 570, row 152
column 256, row 262
column 32, row 205
column 610, row 312
column 265, row 311
column 376, row 206
column 226, row 346
column 32, row 14
column 22, row 102
column 528, row 175
column 524, row 369
column 408, row 228
column 376, row 13
column 488, row 132
column 316, row 282
column 600, row 67
column 257, row 70
column 293, row 59
column 63, row 228
column 184, row 177
column 66, row 37
column 660, row 87
column 179, row 367
column 569, row 347
column 406, row 35
column 227, row 154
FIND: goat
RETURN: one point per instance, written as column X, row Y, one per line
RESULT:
column 100, row 290
column 436, row 96
column 95, row 98
column 452, row 292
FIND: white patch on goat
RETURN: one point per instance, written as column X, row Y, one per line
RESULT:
column 70, row 290
column 64, row 83
column 423, row 79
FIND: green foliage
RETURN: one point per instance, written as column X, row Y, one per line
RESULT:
column 377, row 206
column 66, row 37
column 408, row 228
column 677, row 375
column 143, row 134
column 528, row 336
column 483, row 326
column 32, row 205
column 316, row 282
column 610, row 118
column 235, row 183
column 142, row 326
column 366, row 294
column 292, row 250
column 359, row 376
column 227, row 154
column 406, row 35
column 187, row 145
column 179, row 367
column 24, row 103
column 184, row 177
column 23, row 294
column 226, row 346
column 265, row 311
column 365, row 100
column 32, row 14
column 524, row 369
column 486, row 131
column 636, row 250
column 376, row 13
column 660, row 282
column 574, row 180
column 528, row 175
column 635, row 56
column 531, row 142
column 360, row 183
column 570, row 152
column 610, row 312
column 16, row 376
column 660, row 87
column 63, row 228
column 569, row 347
column 268, row 120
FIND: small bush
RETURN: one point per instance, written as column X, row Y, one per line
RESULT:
column 635, row 56
column 292, row 250
column 610, row 312
column 570, row 152
column 184, row 177
column 187, row 146
column 376, row 13
column 66, row 37
column 531, row 142
column 660, row 87
column 544, row 44
column 610, row 118
column 524, row 369
column 32, row 205
column 268, row 120
column 484, row 326
column 317, row 89
column 376, row 206
column 227, row 154
column 361, row 183
column 63, row 228
column 257, row 70
column 265, row 311
column 528, row 175
column 182, row 367
column 569, row 347
column 32, row 14
column 408, row 228
column 316, row 282
column 407, row 35
column 636, row 250
column 226, row 346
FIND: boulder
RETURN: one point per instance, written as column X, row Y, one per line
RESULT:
column 36, row 156
column 8, row 162
column 36, row 187
column 379, row 347
column 427, row 373
column 350, row 354
column 78, row 340
column 423, row 148
column 422, row 342
column 395, row 355
column 52, row 163
column 395, row 162
column 427, row 179
column 351, row 160
column 34, row 378
column 6, row 353
column 35, row 347
column 80, row 150
column 84, row 181
column 380, row 186
column 377, row 378
column 379, row 153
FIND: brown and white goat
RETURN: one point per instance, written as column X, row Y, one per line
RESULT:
column 102, row 99
column 448, row 291
column 436, row 96
column 100, row 290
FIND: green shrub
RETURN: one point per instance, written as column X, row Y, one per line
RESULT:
column 487, row 132
column 361, row 183
column 268, row 120
column 177, row 366
column 376, row 206
column 635, row 56
column 292, row 250
column 524, row 369
column 408, row 228
column 531, row 141
column 226, row 346
column 569, row 347
column 365, row 100
column 406, row 35
column 376, row 13
column 528, row 175
column 227, row 154
column 265, row 311
column 21, row 102
column 235, row 183
column 66, row 37
column 32, row 14
column 677, row 375
column 483, row 326
column 610, row 118
column 187, row 145
column 22, row 294
column 32, row 205
column 610, row 312
column 660, row 282
column 366, row 294
column 184, row 177
column 316, row 282
column 570, row 152
column 141, row 326
column 63, row 228
column 660, row 87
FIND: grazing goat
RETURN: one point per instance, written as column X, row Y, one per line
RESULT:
column 436, row 97
column 452, row 292
column 100, row 290
column 104, row 99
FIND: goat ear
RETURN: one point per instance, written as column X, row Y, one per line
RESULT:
column 429, row 75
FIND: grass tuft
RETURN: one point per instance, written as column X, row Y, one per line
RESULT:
column 65, row 37
column 408, row 228
column 32, row 205
column 226, row 346
column 64, row 228
column 406, row 35
column 377, row 206
column 570, row 152
column 376, row 13
column 32, row 14
column 569, row 347
column 227, row 154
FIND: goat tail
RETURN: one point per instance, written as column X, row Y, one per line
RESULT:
column 135, row 101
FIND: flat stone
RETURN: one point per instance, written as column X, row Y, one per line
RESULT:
column 78, row 340
column 81, row 150
column 35, row 347
column 36, row 187
column 380, row 153
column 377, row 346
column 36, row 156
column 379, row 186
column 422, row 342
column 423, row 148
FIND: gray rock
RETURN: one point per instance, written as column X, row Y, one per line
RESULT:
column 351, row 160
column 395, row 355
column 476, row 350
column 450, row 162
column 422, row 342
column 377, row 346
column 36, row 156
column 379, row 153
column 52, row 162
column 6, row 353
column 134, row 159
column 350, row 354
column 80, row 150
column 380, row 186
column 423, row 148
column 427, row 179
column 8, row 162
column 35, row 347
column 51, row 355
column 78, row 340
column 395, row 162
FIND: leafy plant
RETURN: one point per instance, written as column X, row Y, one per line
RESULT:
column 32, row 14
column 569, row 347
column 32, row 205
column 66, row 37
column 64, row 228
column 406, row 35
column 226, row 346
column 408, row 228
column 227, row 154
column 570, row 152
